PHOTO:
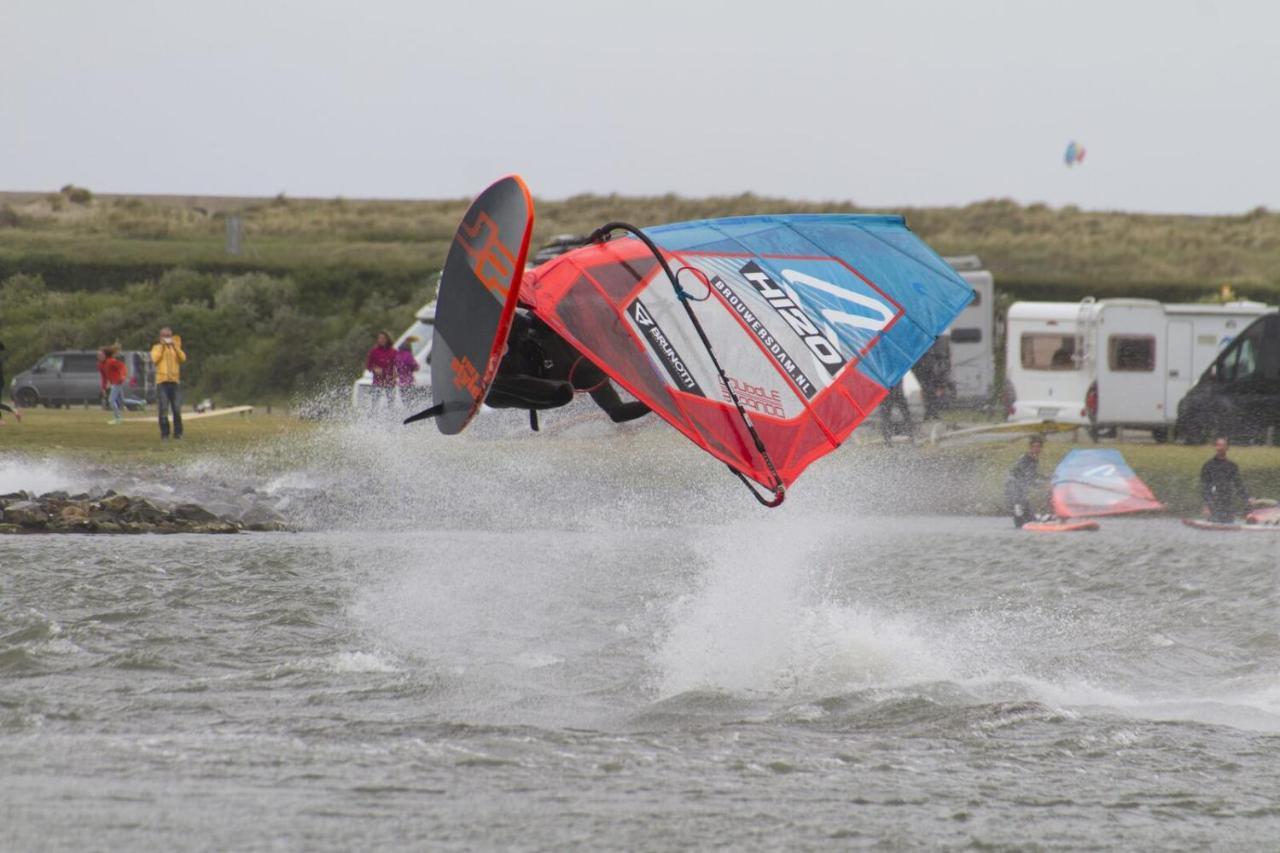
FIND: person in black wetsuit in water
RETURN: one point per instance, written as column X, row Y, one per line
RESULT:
column 1023, row 479
column 1221, row 486
column 541, row 370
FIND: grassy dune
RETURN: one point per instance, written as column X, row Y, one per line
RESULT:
column 1034, row 250
column 84, row 435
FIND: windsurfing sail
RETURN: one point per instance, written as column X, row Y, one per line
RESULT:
column 1098, row 482
column 811, row 318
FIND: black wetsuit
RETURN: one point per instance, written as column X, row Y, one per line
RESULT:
column 1023, row 478
column 1221, row 486
column 541, row 370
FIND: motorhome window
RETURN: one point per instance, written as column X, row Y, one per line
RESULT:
column 1046, row 351
column 1132, row 354
column 966, row 336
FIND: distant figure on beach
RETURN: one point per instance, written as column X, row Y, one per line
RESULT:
column 1221, row 487
column 113, row 373
column 897, row 399
column 406, row 366
column 1023, row 481
column 168, row 356
column 381, row 362
column 3, row 407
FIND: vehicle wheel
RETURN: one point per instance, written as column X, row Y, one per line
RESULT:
column 1161, row 436
column 26, row 397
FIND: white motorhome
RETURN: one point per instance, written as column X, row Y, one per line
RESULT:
column 973, row 366
column 422, row 331
column 1143, row 356
column 1044, row 362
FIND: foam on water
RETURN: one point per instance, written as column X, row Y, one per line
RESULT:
column 38, row 476
column 760, row 623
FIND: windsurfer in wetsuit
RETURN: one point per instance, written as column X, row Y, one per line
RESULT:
column 541, row 370
column 1023, row 479
column 1221, row 486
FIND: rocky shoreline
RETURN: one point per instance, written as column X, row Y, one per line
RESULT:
column 109, row 512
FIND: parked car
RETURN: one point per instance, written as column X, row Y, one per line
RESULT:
column 71, row 376
column 1239, row 395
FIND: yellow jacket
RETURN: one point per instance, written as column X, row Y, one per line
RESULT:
column 167, row 359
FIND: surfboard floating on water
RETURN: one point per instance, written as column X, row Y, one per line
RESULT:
column 765, row 340
column 1233, row 526
column 1061, row 526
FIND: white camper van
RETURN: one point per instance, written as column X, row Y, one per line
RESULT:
column 1143, row 356
column 973, row 366
column 423, row 329
column 1044, row 362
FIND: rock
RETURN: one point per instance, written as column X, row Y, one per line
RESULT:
column 213, row 527
column 9, row 528
column 144, row 511
column 55, row 496
column 115, row 503
column 194, row 512
column 26, row 513
column 73, row 512
column 263, row 518
column 16, row 496
column 108, row 527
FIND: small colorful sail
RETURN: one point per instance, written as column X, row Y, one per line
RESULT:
column 1099, row 482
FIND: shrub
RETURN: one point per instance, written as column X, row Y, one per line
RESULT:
column 76, row 195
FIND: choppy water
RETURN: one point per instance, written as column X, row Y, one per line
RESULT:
column 546, row 659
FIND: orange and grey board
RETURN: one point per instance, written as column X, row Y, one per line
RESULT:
column 1065, row 526
column 1230, row 527
column 477, row 299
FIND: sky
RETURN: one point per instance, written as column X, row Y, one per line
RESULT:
column 886, row 104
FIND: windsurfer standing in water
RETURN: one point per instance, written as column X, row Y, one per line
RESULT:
column 1220, row 485
column 1024, row 479
column 541, row 370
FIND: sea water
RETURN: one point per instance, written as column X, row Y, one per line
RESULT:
column 594, row 639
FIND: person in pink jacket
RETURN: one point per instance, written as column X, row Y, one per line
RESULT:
column 381, row 362
column 406, row 366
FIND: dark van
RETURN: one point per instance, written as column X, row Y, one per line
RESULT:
column 1239, row 395
column 71, row 376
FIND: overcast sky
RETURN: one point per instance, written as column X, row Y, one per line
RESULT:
column 1177, row 102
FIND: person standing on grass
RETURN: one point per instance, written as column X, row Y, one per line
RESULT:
column 168, row 357
column 113, row 373
column 406, row 366
column 381, row 362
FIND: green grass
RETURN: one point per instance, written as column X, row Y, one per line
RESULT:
column 84, row 435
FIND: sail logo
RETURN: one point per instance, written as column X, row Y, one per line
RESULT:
column 770, row 341
column 663, row 349
column 824, row 349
